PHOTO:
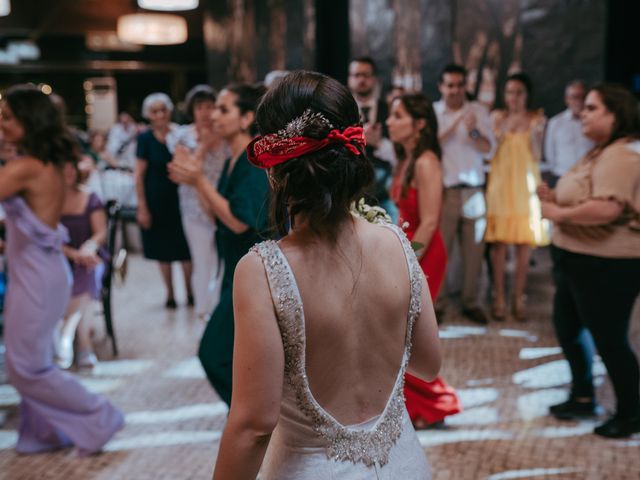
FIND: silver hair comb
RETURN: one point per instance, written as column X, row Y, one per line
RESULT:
column 297, row 126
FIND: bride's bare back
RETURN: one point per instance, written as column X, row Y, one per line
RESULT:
column 355, row 297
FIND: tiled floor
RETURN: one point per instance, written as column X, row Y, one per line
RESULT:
column 506, row 374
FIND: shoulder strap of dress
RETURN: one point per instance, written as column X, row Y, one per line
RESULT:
column 284, row 294
column 415, row 280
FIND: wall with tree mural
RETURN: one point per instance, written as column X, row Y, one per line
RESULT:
column 553, row 40
column 245, row 39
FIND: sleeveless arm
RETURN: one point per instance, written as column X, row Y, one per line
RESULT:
column 258, row 366
column 422, row 328
column 538, row 125
column 426, row 355
column 428, row 179
column 98, row 219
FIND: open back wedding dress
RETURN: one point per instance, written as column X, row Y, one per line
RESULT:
column 308, row 443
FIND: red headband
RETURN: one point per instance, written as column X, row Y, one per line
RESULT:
column 271, row 150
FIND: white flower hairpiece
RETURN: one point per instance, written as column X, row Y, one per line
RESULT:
column 372, row 214
column 378, row 215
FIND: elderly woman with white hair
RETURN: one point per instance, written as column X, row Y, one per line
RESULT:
column 158, row 214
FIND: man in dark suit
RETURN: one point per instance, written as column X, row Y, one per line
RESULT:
column 364, row 86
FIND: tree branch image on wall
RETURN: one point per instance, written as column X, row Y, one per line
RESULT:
column 407, row 71
column 487, row 40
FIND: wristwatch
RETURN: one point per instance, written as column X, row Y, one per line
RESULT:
column 474, row 134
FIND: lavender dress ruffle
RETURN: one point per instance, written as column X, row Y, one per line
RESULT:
column 55, row 409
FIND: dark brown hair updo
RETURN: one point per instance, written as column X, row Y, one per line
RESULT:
column 320, row 185
column 46, row 137
column 624, row 106
column 418, row 106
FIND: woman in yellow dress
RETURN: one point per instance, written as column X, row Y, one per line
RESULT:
column 513, row 209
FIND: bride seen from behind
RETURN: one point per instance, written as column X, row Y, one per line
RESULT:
column 326, row 317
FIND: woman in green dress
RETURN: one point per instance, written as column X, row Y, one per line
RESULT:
column 240, row 205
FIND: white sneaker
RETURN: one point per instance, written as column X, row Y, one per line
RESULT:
column 64, row 352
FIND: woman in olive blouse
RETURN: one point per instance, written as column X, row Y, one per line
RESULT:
column 596, row 258
column 240, row 205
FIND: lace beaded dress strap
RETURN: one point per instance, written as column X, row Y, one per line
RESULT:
column 286, row 300
column 415, row 278
column 343, row 443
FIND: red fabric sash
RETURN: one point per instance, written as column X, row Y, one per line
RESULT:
column 271, row 150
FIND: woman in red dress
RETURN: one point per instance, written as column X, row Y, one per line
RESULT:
column 417, row 190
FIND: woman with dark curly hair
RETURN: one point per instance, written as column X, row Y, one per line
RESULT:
column 417, row 190
column 324, row 318
column 55, row 410
column 596, row 258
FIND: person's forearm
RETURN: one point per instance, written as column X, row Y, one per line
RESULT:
column 482, row 144
column 424, row 235
column 591, row 212
column 69, row 252
column 142, row 200
column 240, row 454
column 99, row 238
column 447, row 133
column 206, row 207
column 219, row 206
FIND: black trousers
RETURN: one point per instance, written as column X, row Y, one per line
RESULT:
column 597, row 294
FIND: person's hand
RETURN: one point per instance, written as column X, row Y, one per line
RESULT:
column 470, row 121
column 89, row 260
column 86, row 259
column 144, row 217
column 373, row 134
column 545, row 194
column 185, row 167
column 551, row 211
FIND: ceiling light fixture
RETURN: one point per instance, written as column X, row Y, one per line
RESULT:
column 152, row 29
column 168, row 5
column 5, row 8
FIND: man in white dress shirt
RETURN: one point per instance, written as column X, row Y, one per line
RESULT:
column 466, row 139
column 564, row 142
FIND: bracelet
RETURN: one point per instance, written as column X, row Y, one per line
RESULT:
column 90, row 247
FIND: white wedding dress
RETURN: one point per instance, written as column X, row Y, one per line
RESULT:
column 308, row 443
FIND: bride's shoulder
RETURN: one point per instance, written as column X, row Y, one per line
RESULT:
column 249, row 273
column 383, row 237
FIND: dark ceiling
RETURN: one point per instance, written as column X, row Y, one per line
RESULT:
column 38, row 18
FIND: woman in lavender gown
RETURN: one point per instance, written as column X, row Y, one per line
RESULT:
column 56, row 410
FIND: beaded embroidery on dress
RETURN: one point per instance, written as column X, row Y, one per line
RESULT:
column 345, row 451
